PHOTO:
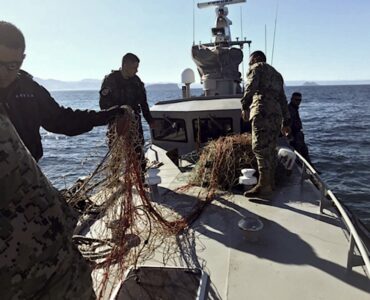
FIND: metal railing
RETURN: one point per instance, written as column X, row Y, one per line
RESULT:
column 353, row 259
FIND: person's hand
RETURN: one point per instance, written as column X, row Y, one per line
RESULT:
column 245, row 115
column 113, row 112
column 285, row 130
column 124, row 109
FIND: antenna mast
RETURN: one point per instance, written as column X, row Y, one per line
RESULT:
column 265, row 39
column 273, row 43
column 241, row 37
column 221, row 31
column 193, row 23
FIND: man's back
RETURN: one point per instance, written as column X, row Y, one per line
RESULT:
column 268, row 87
column 37, row 256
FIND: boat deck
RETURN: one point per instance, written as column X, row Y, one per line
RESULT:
column 300, row 253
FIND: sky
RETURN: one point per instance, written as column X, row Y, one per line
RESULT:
column 78, row 39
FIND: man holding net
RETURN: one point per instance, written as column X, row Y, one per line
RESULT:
column 124, row 87
column 30, row 106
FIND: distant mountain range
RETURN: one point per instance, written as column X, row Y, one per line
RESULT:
column 94, row 84
column 328, row 82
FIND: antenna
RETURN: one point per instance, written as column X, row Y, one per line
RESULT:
column 265, row 39
column 273, row 43
column 193, row 23
column 241, row 37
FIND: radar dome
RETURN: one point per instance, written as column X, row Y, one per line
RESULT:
column 187, row 76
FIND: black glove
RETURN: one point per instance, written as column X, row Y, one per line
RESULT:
column 104, row 116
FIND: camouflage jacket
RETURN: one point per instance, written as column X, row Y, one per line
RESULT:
column 36, row 225
column 30, row 106
column 264, row 93
column 116, row 90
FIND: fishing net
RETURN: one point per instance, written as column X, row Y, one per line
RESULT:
column 133, row 228
column 130, row 227
column 221, row 162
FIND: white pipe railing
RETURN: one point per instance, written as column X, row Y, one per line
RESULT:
column 350, row 227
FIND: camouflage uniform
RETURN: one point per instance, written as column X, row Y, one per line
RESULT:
column 37, row 257
column 265, row 97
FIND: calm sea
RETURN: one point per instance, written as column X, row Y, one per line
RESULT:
column 336, row 122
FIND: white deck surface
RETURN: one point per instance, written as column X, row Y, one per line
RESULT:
column 300, row 253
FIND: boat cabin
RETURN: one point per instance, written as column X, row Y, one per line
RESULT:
column 187, row 124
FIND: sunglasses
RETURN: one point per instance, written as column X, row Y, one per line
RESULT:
column 11, row 65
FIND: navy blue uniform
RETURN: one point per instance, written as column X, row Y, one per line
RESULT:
column 30, row 106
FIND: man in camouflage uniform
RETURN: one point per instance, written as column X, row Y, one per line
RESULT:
column 37, row 257
column 265, row 102
column 124, row 87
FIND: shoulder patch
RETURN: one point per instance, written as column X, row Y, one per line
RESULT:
column 105, row 91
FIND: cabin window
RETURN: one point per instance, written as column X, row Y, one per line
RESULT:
column 211, row 128
column 168, row 129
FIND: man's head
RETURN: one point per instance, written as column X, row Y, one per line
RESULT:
column 257, row 56
column 296, row 99
column 130, row 65
column 12, row 46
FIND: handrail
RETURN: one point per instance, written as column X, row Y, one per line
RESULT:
column 352, row 230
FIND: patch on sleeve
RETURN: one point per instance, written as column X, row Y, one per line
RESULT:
column 105, row 91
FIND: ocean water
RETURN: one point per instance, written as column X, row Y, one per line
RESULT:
column 336, row 121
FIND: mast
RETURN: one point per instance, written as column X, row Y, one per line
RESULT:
column 218, row 62
column 221, row 32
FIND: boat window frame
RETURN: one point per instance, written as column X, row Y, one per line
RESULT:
column 209, row 119
column 170, row 140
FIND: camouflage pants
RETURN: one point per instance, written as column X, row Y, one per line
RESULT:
column 73, row 281
column 265, row 131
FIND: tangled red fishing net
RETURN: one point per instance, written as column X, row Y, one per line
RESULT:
column 120, row 225
column 222, row 160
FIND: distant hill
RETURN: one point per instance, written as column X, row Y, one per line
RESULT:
column 94, row 84
column 162, row 86
column 56, row 85
column 328, row 82
column 310, row 83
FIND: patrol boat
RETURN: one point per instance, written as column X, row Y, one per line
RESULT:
column 301, row 244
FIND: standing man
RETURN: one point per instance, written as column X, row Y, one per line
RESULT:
column 30, row 106
column 38, row 259
column 124, row 87
column 297, row 136
column 264, row 104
